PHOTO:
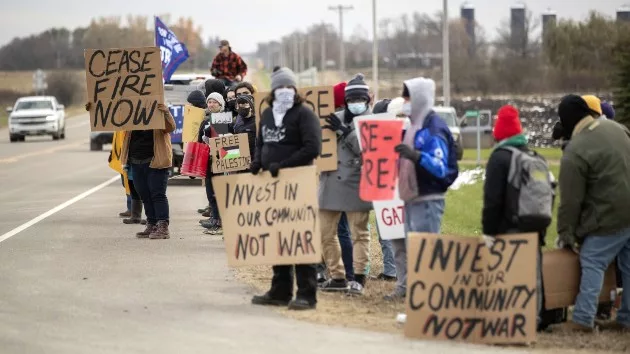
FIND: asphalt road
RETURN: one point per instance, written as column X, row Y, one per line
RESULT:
column 74, row 279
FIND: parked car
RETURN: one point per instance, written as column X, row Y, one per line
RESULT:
column 469, row 129
column 449, row 115
column 36, row 115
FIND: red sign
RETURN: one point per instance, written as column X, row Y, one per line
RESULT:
column 379, row 170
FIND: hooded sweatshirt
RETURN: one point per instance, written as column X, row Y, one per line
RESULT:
column 247, row 125
column 430, row 177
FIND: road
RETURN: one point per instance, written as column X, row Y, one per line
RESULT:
column 74, row 279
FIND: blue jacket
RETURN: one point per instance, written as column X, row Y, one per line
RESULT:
column 437, row 168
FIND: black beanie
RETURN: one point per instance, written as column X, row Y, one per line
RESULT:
column 381, row 106
column 572, row 110
column 558, row 131
column 247, row 99
column 197, row 99
column 214, row 85
column 357, row 88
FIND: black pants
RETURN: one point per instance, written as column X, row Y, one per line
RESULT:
column 151, row 185
column 212, row 200
column 133, row 191
column 282, row 282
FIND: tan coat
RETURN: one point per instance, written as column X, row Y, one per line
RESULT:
column 162, row 148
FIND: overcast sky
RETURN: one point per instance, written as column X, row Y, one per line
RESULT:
column 247, row 22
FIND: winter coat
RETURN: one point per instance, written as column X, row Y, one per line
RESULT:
column 247, row 126
column 339, row 190
column 162, row 148
column 594, row 188
column 296, row 143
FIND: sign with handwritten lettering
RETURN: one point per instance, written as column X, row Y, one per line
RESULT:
column 322, row 102
column 390, row 218
column 124, row 87
column 230, row 153
column 460, row 290
column 379, row 170
column 270, row 221
column 193, row 117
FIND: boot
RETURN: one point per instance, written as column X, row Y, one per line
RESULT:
column 147, row 231
column 125, row 214
column 160, row 232
column 136, row 213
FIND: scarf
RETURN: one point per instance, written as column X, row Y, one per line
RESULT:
column 516, row 141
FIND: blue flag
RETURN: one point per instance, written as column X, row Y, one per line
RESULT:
column 177, row 111
column 173, row 51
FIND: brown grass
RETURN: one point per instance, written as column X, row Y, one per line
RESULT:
column 370, row 312
column 22, row 81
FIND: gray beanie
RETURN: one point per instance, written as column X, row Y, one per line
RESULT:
column 282, row 77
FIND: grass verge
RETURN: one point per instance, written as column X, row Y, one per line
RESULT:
column 551, row 154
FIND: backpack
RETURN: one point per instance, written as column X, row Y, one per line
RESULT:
column 529, row 176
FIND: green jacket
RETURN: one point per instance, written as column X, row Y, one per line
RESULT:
column 594, row 181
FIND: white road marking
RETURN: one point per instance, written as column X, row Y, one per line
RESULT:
column 80, row 124
column 56, row 209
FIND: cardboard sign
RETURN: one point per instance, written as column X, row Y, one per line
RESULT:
column 458, row 289
column 270, row 221
column 322, row 102
column 193, row 117
column 177, row 111
column 221, row 122
column 230, row 153
column 390, row 218
column 125, row 87
column 379, row 169
column 561, row 279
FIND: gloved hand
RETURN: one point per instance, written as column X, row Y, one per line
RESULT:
column 274, row 168
column 564, row 244
column 489, row 240
column 334, row 124
column 254, row 168
column 407, row 152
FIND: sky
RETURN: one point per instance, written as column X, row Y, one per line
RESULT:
column 251, row 21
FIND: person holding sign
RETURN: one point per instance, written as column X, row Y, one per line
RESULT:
column 150, row 155
column 427, row 167
column 289, row 135
column 339, row 192
column 246, row 120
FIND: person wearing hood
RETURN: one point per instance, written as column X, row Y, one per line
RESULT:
column 246, row 120
column 289, row 135
column 427, row 167
column 594, row 195
column 597, row 110
column 339, row 192
column 215, row 104
column 230, row 100
column 214, row 85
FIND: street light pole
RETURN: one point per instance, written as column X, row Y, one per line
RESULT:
column 446, row 65
column 342, row 54
column 374, row 53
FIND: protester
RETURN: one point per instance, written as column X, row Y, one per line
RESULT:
column 289, row 136
column 244, row 88
column 595, row 104
column 136, row 202
column 216, row 104
column 503, row 186
column 246, row 120
column 228, row 66
column 197, row 99
column 230, row 100
column 214, row 85
column 150, row 155
column 427, row 167
column 592, row 216
column 339, row 192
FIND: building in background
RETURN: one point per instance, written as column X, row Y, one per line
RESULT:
column 548, row 21
column 623, row 13
column 467, row 14
column 518, row 35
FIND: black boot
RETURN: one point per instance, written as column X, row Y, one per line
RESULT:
column 136, row 213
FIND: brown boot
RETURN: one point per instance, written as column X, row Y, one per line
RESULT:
column 147, row 231
column 160, row 232
column 571, row 326
column 136, row 213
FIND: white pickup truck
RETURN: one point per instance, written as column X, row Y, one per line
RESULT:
column 37, row 115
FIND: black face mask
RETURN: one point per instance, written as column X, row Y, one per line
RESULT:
column 230, row 105
column 244, row 112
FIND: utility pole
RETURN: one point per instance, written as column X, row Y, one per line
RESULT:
column 302, row 53
column 446, row 64
column 374, row 53
column 323, row 44
column 295, row 53
column 310, row 50
column 342, row 54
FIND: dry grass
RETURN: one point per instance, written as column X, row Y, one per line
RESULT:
column 370, row 312
column 22, row 81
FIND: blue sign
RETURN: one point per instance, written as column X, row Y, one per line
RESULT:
column 178, row 114
column 173, row 51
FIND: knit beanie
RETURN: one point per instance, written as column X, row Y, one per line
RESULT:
column 339, row 94
column 214, row 85
column 217, row 97
column 197, row 99
column 508, row 124
column 381, row 106
column 282, row 77
column 247, row 99
column 594, row 104
column 572, row 110
column 608, row 110
column 357, row 88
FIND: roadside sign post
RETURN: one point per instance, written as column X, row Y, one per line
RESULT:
column 478, row 139
column 39, row 82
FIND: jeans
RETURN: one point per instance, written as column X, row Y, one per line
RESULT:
column 214, row 208
column 424, row 216
column 389, row 267
column 345, row 240
column 151, row 185
column 282, row 282
column 596, row 254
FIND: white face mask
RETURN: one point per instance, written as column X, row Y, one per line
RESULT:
column 406, row 109
column 284, row 95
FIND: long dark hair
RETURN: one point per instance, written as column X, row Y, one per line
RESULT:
column 296, row 101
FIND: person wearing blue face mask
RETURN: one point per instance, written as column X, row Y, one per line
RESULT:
column 339, row 192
